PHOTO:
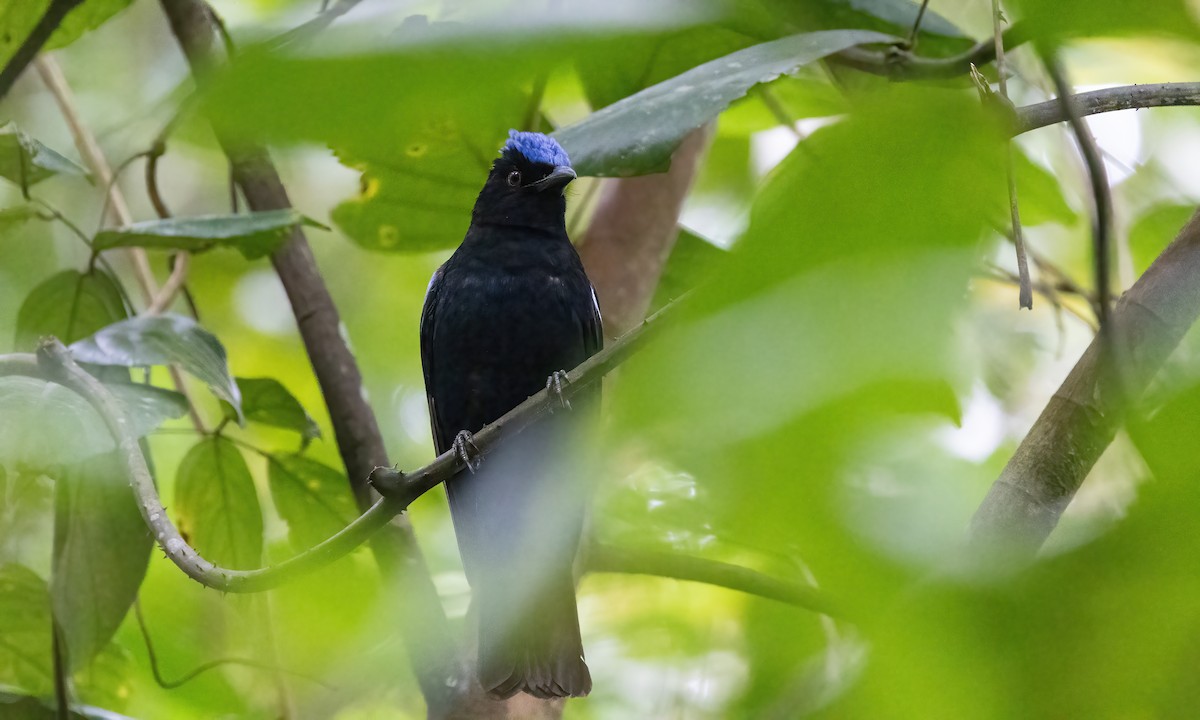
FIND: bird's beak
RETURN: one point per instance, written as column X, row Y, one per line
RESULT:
column 557, row 179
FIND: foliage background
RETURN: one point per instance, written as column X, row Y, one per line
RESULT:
column 834, row 407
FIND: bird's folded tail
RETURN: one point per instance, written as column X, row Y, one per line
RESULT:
column 532, row 646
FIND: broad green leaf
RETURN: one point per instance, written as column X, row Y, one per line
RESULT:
column 313, row 498
column 1039, row 194
column 216, row 504
column 25, row 628
column 69, row 305
column 267, row 401
column 108, row 680
column 161, row 340
column 1154, row 230
column 26, row 161
column 44, row 424
column 254, row 234
column 937, row 36
column 638, row 134
column 807, row 95
column 102, row 549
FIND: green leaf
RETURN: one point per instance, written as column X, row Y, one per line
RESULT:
column 44, row 424
column 102, row 549
column 267, row 401
column 313, row 498
column 162, row 340
column 217, row 505
column 645, row 61
column 638, row 134
column 69, row 305
column 17, row 20
column 1107, row 18
column 1154, row 230
column 88, row 16
column 691, row 261
column 25, row 628
column 1039, row 194
column 937, row 36
column 16, row 215
column 254, row 234
column 26, row 161
column 17, row 705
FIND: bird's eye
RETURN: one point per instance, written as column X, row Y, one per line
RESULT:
column 514, row 178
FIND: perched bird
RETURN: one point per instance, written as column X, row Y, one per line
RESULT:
column 509, row 311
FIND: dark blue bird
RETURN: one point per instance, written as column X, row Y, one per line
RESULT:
column 510, row 309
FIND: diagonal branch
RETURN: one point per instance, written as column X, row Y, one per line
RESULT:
column 1081, row 419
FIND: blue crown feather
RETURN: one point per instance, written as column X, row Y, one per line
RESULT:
column 537, row 148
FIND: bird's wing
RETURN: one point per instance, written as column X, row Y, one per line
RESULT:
column 593, row 327
column 428, row 324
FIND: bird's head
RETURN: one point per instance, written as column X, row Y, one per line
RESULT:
column 526, row 183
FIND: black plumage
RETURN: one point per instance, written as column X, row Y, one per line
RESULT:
column 509, row 308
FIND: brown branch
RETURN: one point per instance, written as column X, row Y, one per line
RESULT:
column 427, row 634
column 1126, row 97
column 34, row 41
column 632, row 232
column 1081, row 419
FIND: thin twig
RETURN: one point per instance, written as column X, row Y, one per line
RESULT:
column 90, row 150
column 1025, row 294
column 180, row 262
column 187, row 677
column 1101, row 195
column 916, row 28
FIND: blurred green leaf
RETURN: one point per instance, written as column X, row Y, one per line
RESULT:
column 16, row 705
column 1039, row 194
column 162, row 340
column 1103, row 18
column 102, row 549
column 217, row 505
column 254, row 234
column 692, row 259
column 44, row 424
column 267, row 401
column 69, row 305
column 937, row 36
column 16, row 215
column 810, row 95
column 108, row 680
column 638, row 134
column 25, row 626
column 26, row 161
column 313, row 498
column 646, row 61
column 88, row 16
column 17, row 20
column 1154, row 230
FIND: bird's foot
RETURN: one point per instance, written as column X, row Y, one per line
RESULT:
column 554, row 385
column 467, row 450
